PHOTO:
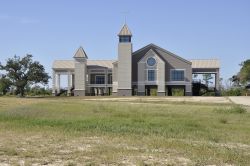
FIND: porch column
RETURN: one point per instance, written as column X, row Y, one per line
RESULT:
column 106, row 81
column 53, row 83
column 58, row 87
column 69, row 84
column 141, row 90
column 96, row 91
column 73, row 80
column 217, row 82
column 188, row 90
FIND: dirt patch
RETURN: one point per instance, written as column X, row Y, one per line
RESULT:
column 171, row 99
column 46, row 149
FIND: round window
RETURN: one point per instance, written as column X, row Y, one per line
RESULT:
column 151, row 61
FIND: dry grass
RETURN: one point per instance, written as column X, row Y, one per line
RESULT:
column 70, row 131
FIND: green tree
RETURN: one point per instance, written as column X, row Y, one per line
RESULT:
column 235, row 80
column 207, row 78
column 5, row 84
column 24, row 71
column 244, row 74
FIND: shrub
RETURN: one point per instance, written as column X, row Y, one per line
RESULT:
column 234, row 109
column 233, row 92
column 178, row 92
column 238, row 109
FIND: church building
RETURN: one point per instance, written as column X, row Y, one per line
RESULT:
column 150, row 70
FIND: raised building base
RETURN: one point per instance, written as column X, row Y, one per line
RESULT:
column 79, row 92
column 140, row 93
column 124, row 92
column 188, row 94
column 114, row 93
column 161, row 93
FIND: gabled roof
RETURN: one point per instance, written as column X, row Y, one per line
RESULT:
column 63, row 64
column 102, row 63
column 205, row 63
column 80, row 53
column 70, row 64
column 125, row 31
column 152, row 51
column 163, row 50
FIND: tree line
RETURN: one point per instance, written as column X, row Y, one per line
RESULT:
column 19, row 74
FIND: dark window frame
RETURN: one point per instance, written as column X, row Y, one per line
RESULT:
column 177, row 75
column 125, row 39
column 100, row 79
column 151, row 75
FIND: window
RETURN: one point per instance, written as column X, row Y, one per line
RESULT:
column 110, row 79
column 100, row 79
column 177, row 75
column 151, row 75
column 125, row 39
column 151, row 61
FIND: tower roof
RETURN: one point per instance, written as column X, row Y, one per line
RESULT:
column 125, row 31
column 80, row 53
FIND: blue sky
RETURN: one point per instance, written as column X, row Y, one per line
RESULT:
column 194, row 29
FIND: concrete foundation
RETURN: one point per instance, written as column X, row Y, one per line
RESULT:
column 114, row 93
column 124, row 92
column 140, row 93
column 161, row 94
column 188, row 94
column 79, row 92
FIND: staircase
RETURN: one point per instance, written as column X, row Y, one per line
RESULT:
column 65, row 91
column 62, row 91
column 200, row 89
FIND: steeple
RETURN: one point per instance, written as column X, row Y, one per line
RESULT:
column 80, row 53
column 125, row 34
column 124, row 77
column 80, row 72
column 125, row 31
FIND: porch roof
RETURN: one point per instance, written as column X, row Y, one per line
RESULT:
column 69, row 64
column 205, row 63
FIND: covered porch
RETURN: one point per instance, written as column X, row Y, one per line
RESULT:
column 212, row 67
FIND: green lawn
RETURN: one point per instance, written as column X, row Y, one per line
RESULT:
column 71, row 131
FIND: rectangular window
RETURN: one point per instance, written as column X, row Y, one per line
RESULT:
column 124, row 39
column 100, row 79
column 151, row 75
column 177, row 75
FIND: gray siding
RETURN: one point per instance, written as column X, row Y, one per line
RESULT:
column 171, row 62
column 114, row 78
column 124, row 65
column 80, row 74
column 175, row 63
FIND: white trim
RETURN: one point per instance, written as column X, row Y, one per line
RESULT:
column 154, row 59
column 177, row 83
column 155, row 79
column 64, row 72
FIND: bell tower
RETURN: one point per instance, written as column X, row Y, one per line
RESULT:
column 80, row 72
column 124, row 62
